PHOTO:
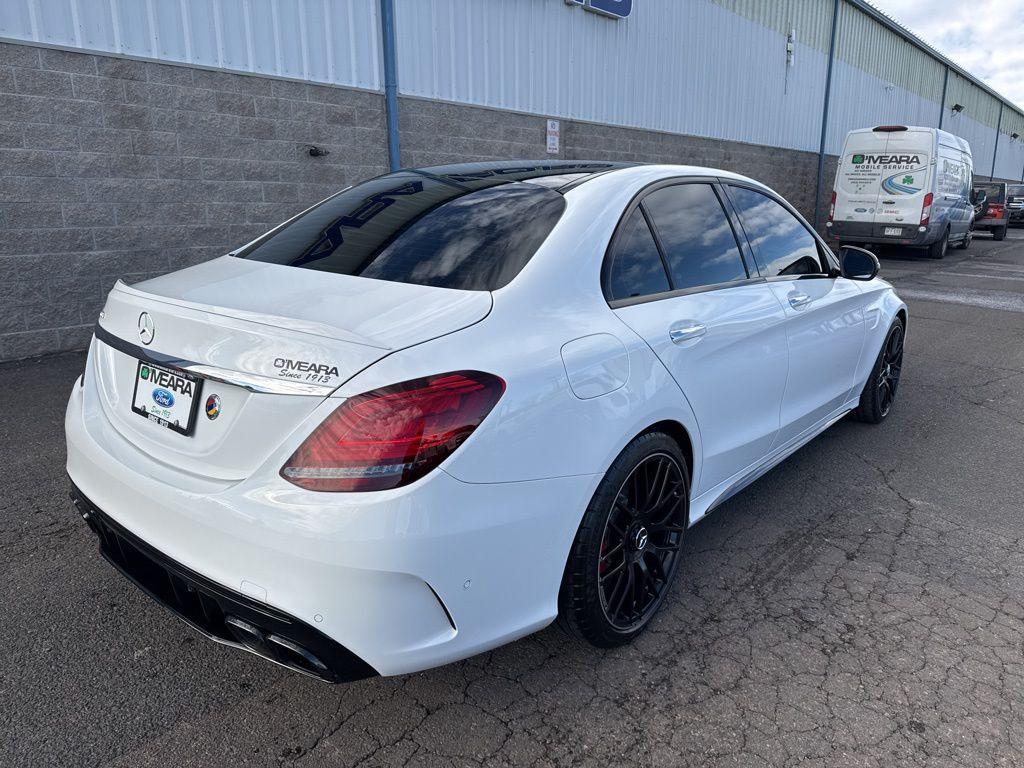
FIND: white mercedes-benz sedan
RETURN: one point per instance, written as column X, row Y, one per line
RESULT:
column 443, row 407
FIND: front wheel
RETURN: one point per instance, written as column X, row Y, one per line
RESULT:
column 880, row 391
column 966, row 242
column 627, row 549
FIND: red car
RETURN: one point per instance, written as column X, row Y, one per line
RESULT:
column 993, row 216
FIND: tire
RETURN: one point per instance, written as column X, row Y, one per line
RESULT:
column 627, row 549
column 1000, row 234
column 964, row 244
column 879, row 394
column 937, row 250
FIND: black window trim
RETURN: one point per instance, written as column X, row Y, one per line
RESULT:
column 823, row 249
column 637, row 202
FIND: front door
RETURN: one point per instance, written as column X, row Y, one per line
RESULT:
column 824, row 313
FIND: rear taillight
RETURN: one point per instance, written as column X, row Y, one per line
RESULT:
column 394, row 435
column 832, row 207
column 926, row 210
column 995, row 211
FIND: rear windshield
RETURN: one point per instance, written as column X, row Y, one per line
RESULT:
column 994, row 192
column 409, row 227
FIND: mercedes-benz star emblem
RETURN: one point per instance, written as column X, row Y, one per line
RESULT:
column 147, row 330
column 641, row 538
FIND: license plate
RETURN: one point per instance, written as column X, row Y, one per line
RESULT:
column 893, row 231
column 167, row 396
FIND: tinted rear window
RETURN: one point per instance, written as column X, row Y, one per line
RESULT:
column 994, row 192
column 414, row 228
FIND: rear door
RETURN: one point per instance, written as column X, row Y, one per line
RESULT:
column 824, row 312
column 904, row 169
column 676, row 276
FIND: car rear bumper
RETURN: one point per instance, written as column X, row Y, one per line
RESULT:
column 220, row 614
column 990, row 224
column 868, row 232
column 401, row 580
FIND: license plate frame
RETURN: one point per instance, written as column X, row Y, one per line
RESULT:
column 893, row 232
column 193, row 409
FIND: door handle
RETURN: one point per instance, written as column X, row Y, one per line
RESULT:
column 686, row 330
column 798, row 300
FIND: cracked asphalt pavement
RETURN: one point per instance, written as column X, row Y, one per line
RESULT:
column 861, row 605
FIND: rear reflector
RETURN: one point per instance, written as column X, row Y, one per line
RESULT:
column 394, row 435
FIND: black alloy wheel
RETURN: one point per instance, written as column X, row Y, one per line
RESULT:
column 880, row 391
column 888, row 378
column 628, row 548
column 641, row 541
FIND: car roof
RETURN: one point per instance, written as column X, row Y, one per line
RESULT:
column 666, row 170
column 555, row 174
column 560, row 175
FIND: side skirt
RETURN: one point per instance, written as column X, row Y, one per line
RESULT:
column 707, row 502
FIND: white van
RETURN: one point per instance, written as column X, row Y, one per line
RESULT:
column 903, row 185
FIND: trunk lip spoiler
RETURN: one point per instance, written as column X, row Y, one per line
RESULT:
column 307, row 328
column 253, row 382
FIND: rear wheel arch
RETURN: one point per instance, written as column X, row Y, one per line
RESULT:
column 677, row 432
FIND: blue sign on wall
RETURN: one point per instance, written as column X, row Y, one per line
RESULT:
column 616, row 9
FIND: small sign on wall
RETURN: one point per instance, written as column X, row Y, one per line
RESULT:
column 554, row 136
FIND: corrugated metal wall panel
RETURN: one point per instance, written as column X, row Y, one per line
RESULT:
column 671, row 66
column 812, row 19
column 861, row 100
column 871, row 47
column 327, row 41
column 980, row 105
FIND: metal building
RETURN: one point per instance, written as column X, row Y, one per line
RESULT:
column 216, row 144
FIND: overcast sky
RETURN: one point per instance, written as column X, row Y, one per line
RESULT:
column 985, row 37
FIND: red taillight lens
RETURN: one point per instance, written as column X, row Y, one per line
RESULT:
column 995, row 211
column 926, row 210
column 393, row 435
column 832, row 207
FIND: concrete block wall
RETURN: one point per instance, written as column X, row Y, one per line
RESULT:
column 116, row 168
column 113, row 168
column 438, row 132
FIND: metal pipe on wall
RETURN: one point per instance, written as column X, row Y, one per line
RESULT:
column 388, row 48
column 995, row 151
column 942, row 107
column 824, row 116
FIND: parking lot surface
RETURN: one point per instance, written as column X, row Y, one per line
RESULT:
column 861, row 605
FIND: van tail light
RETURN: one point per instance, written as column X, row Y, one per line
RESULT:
column 832, row 207
column 394, row 435
column 926, row 210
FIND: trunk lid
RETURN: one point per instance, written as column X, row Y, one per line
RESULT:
column 269, row 341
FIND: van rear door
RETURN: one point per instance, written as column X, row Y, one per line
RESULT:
column 905, row 172
column 858, row 184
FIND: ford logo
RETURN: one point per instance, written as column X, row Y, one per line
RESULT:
column 163, row 398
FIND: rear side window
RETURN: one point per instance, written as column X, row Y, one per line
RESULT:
column 782, row 244
column 695, row 233
column 411, row 228
column 635, row 267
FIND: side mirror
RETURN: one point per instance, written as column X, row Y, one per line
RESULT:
column 857, row 263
